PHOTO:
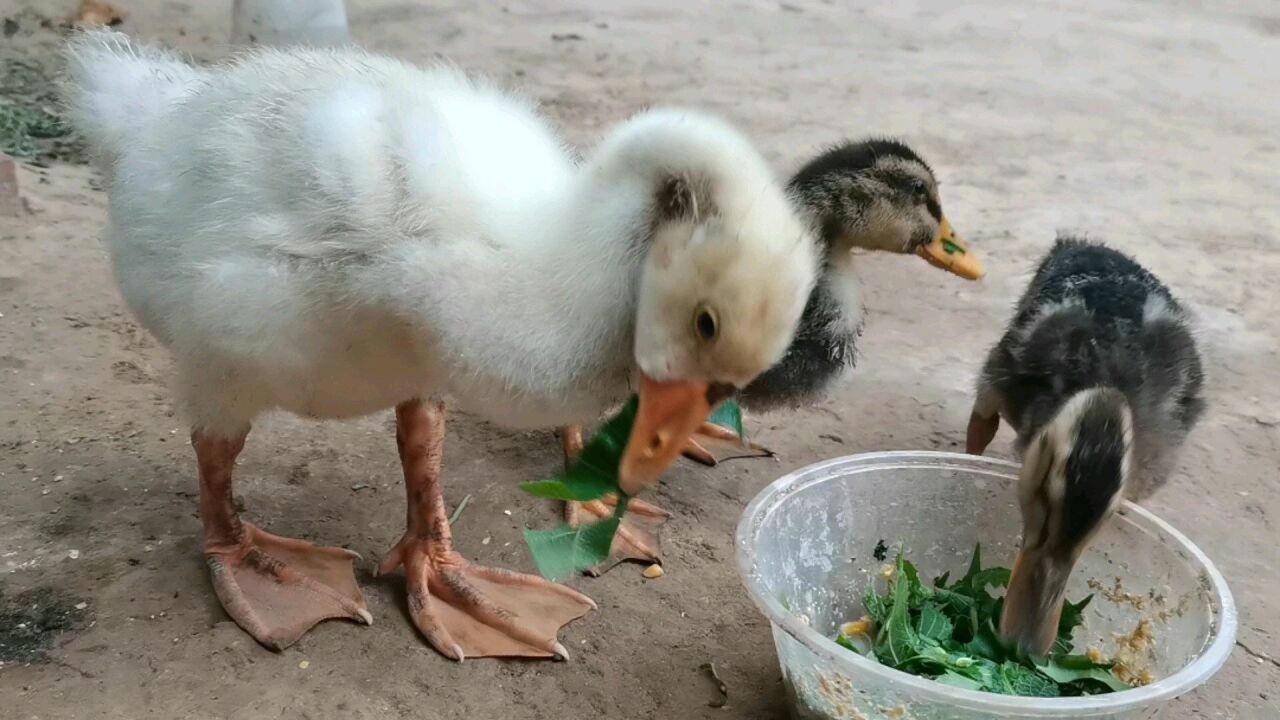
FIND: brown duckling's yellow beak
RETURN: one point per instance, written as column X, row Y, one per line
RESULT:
column 949, row 253
column 669, row 412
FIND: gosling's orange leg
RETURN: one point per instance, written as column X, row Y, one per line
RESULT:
column 276, row 588
column 715, row 436
column 637, row 538
column 466, row 610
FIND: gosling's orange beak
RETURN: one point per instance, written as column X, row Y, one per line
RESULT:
column 951, row 254
column 669, row 412
column 1033, row 602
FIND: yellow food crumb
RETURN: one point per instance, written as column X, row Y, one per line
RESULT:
column 857, row 627
column 1095, row 655
column 888, row 571
column 1133, row 654
column 654, row 571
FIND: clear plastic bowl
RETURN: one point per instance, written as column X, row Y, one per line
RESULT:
column 805, row 550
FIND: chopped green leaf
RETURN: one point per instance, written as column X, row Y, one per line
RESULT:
column 1072, row 617
column 934, row 624
column 877, row 608
column 897, row 641
column 1017, row 679
column 951, row 248
column 948, row 632
column 1080, row 671
column 729, row 415
column 955, row 679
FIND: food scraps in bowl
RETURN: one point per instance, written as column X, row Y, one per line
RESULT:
column 947, row 632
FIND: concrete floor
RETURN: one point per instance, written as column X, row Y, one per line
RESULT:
column 1148, row 124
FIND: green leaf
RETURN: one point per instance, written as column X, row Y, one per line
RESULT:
column 603, row 453
column 577, row 483
column 729, row 415
column 1017, row 679
column 934, row 624
column 956, row 603
column 1072, row 617
column 975, row 567
column 877, row 608
column 564, row 551
column 955, row 679
column 989, row 577
column 1080, row 671
column 920, row 593
column 948, row 632
column 951, row 248
column 897, row 640
column 594, row 474
column 986, row 643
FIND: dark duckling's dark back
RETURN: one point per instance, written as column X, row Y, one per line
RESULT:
column 1092, row 316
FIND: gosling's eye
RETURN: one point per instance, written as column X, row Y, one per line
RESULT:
column 706, row 324
column 920, row 189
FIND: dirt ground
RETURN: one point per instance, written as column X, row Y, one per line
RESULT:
column 1149, row 124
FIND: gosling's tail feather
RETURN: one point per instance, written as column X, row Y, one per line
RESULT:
column 116, row 88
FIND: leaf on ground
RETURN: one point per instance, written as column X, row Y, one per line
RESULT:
column 729, row 415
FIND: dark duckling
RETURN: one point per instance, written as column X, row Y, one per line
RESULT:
column 1099, row 375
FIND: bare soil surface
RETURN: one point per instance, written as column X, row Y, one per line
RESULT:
column 1148, row 124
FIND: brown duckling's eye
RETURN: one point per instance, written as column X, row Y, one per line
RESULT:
column 706, row 324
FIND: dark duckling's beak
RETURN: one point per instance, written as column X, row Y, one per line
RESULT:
column 1033, row 602
column 669, row 413
column 1072, row 480
column 948, row 252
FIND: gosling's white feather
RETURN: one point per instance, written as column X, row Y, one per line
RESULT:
column 330, row 233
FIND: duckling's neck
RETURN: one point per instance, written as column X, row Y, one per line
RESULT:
column 843, row 211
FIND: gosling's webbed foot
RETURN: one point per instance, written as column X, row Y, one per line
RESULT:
column 278, row 588
column 467, row 610
column 713, row 444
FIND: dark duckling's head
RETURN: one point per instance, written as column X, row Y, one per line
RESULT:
column 1073, row 478
column 880, row 195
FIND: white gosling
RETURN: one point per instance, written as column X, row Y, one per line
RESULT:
column 333, row 233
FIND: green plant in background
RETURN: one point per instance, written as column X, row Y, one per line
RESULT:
column 947, row 632
column 31, row 125
column 563, row 551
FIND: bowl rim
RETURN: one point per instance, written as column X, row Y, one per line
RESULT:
column 1195, row 673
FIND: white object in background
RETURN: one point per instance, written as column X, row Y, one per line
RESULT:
column 289, row 22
